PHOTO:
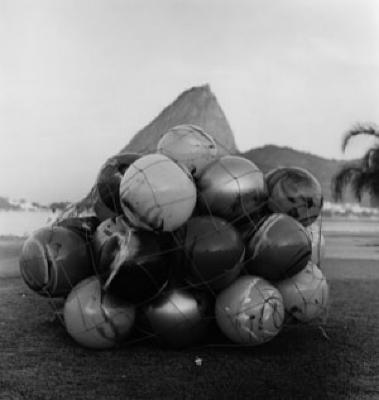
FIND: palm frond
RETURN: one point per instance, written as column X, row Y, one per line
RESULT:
column 361, row 183
column 374, row 187
column 370, row 160
column 359, row 129
column 370, row 182
column 343, row 178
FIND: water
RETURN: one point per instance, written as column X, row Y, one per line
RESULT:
column 22, row 223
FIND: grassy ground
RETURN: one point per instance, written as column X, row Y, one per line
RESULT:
column 10, row 248
column 40, row 361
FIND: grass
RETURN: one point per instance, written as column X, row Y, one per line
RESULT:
column 10, row 248
column 40, row 361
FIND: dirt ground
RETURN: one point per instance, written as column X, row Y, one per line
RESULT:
column 338, row 361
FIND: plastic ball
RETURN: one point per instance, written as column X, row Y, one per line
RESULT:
column 101, row 210
column 279, row 248
column 53, row 260
column 306, row 294
column 250, row 311
column 247, row 226
column 296, row 192
column 213, row 252
column 157, row 194
column 231, row 187
column 109, row 179
column 96, row 319
column 190, row 146
column 83, row 226
column 105, row 230
column 131, row 264
column 318, row 244
column 179, row 318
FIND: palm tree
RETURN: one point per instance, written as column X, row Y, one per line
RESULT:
column 362, row 175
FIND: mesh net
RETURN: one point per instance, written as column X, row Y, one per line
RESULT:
column 177, row 311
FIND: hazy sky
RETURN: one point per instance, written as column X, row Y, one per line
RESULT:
column 78, row 78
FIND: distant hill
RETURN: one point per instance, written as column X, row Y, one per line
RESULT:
column 7, row 204
column 196, row 106
column 323, row 169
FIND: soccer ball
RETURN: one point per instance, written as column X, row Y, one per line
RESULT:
column 250, row 311
column 54, row 259
column 318, row 244
column 296, row 192
column 109, row 178
column 107, row 229
column 157, row 194
column 212, row 253
column 96, row 319
column 278, row 248
column 178, row 318
column 83, row 226
column 306, row 294
column 131, row 264
column 189, row 145
column 231, row 187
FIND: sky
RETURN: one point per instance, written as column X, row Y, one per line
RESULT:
column 78, row 78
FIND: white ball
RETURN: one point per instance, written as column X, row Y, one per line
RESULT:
column 318, row 243
column 306, row 294
column 250, row 311
column 190, row 146
column 157, row 194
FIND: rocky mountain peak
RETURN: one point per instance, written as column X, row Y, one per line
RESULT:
column 196, row 106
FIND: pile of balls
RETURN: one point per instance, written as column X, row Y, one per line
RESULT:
column 185, row 239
